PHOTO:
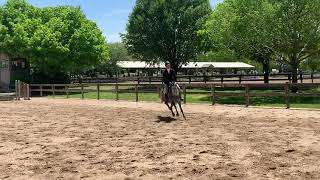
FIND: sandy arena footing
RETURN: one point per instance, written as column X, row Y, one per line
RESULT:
column 74, row 139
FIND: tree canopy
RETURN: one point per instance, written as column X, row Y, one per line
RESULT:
column 166, row 30
column 298, row 31
column 312, row 64
column 53, row 39
column 117, row 52
column 265, row 30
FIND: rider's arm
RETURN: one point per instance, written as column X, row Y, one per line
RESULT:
column 174, row 76
column 163, row 79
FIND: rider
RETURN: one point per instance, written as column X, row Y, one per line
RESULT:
column 169, row 77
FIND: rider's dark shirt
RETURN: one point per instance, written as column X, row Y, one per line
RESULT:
column 169, row 77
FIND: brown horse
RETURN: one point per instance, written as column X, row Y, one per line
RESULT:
column 172, row 95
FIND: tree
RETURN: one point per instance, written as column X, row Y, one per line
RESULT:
column 220, row 56
column 242, row 27
column 117, row 52
column 297, row 29
column 55, row 40
column 312, row 64
column 14, row 37
column 165, row 30
column 264, row 30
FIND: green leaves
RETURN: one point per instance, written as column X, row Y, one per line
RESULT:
column 166, row 30
column 265, row 30
column 54, row 39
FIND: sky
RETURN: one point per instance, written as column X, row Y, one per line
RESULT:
column 110, row 15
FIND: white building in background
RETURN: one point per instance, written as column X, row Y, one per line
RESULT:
column 4, row 73
column 219, row 67
column 191, row 65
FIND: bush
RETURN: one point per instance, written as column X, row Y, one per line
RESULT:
column 54, row 78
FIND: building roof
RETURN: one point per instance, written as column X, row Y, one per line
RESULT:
column 138, row 65
column 191, row 65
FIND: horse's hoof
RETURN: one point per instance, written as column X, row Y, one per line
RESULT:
column 178, row 115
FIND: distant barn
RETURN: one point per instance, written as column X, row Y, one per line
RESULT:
column 4, row 73
column 11, row 70
column 143, row 68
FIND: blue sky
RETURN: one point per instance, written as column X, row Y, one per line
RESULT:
column 110, row 15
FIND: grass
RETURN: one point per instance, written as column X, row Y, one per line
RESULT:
column 296, row 102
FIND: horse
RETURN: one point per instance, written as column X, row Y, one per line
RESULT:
column 172, row 94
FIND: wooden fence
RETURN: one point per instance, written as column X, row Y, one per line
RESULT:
column 284, row 90
column 239, row 79
column 22, row 90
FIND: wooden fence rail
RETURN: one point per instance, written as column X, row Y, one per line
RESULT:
column 259, row 78
column 249, row 90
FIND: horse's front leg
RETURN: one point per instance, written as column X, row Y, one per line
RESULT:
column 182, row 111
column 176, row 109
column 170, row 108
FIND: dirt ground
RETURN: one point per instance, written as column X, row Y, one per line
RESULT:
column 74, row 139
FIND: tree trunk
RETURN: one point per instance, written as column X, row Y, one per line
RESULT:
column 294, row 67
column 79, row 79
column 294, row 73
column 174, row 65
column 266, row 69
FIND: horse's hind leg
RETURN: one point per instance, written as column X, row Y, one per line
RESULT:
column 182, row 111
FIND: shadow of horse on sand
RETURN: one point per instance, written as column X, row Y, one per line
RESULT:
column 165, row 119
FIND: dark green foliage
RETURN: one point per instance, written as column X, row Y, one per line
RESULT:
column 166, row 30
column 56, row 40
column 265, row 31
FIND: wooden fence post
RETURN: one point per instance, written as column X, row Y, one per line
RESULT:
column 184, row 94
column 221, row 79
column 67, row 90
column 24, row 92
column 41, row 90
column 53, row 90
column 27, row 92
column 289, row 78
column 159, row 90
column 213, row 94
column 19, row 89
column 312, row 77
column 137, row 93
column 189, row 79
column 247, row 96
column 98, row 91
column 16, row 89
column 82, row 93
column 287, row 95
column 240, row 79
column 117, row 92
